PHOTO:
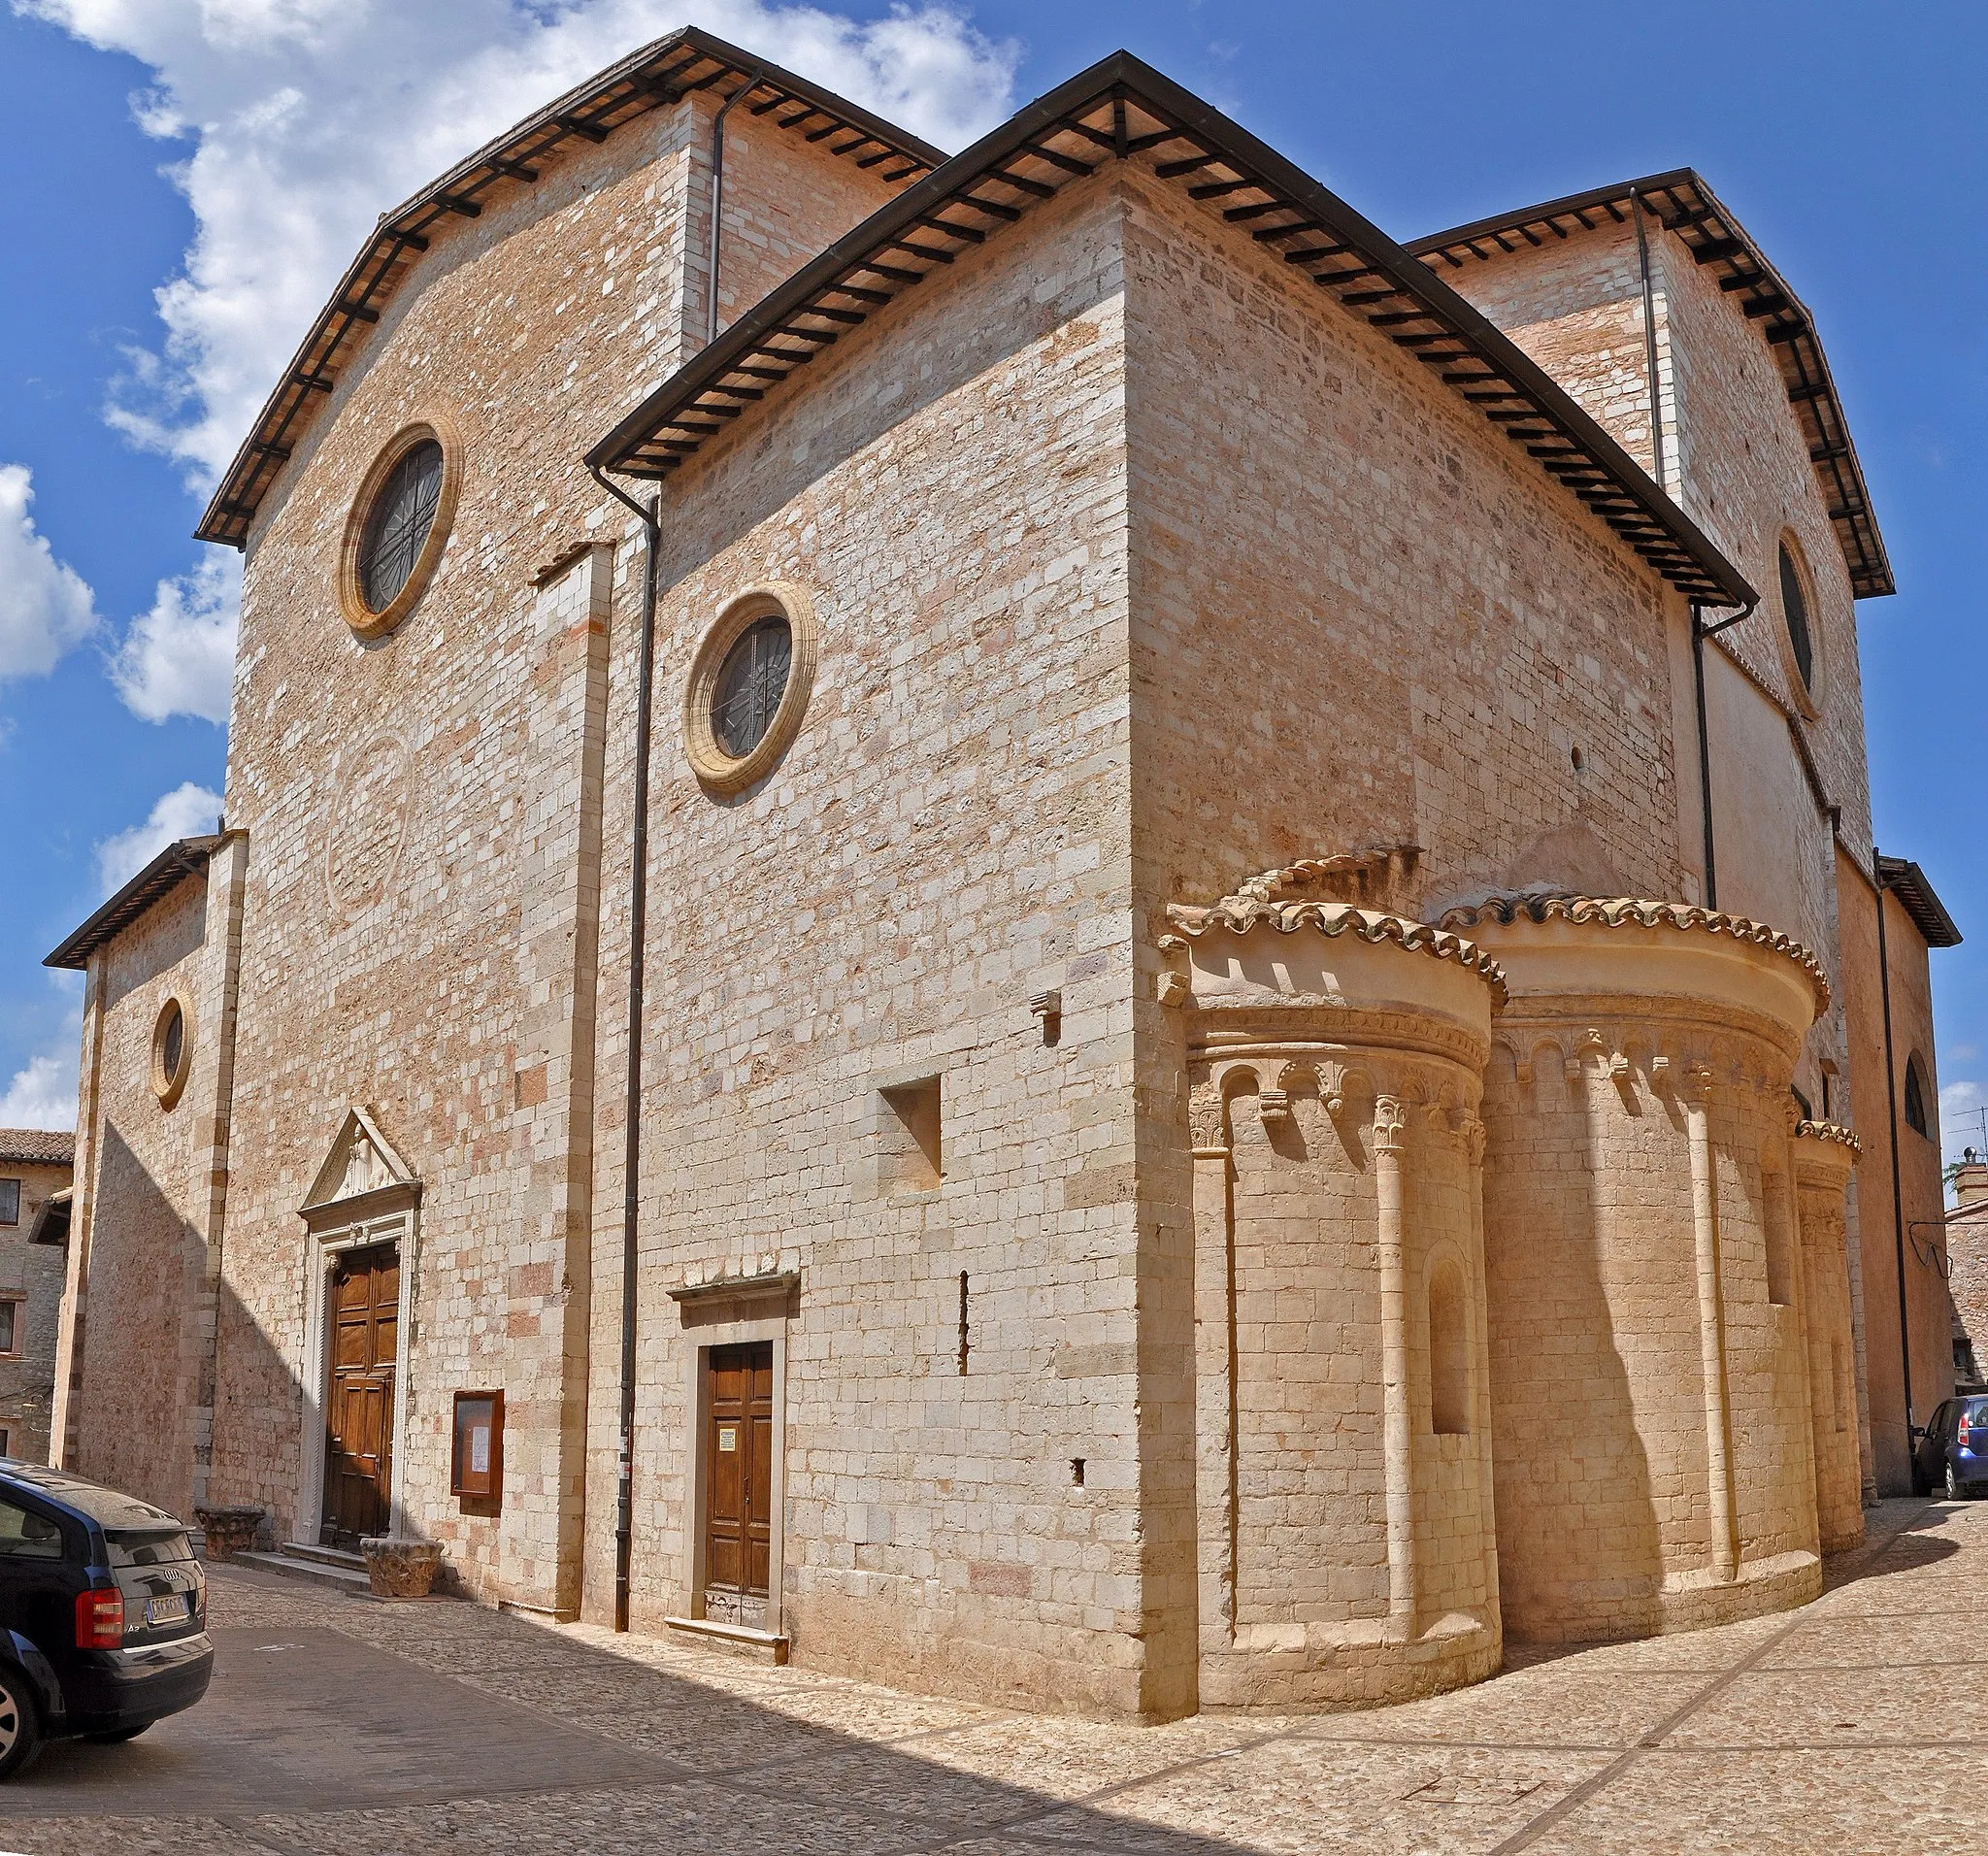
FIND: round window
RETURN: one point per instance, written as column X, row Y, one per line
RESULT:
column 1795, row 611
column 748, row 687
column 751, row 682
column 170, row 1056
column 398, row 526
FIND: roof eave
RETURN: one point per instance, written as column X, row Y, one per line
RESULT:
column 1121, row 77
column 1919, row 900
column 1788, row 326
column 183, row 858
column 355, row 302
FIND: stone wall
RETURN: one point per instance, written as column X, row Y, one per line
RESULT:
column 138, row 1232
column 947, row 835
column 31, row 1276
column 1883, row 1248
column 425, row 815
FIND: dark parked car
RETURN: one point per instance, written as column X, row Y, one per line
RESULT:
column 103, row 1614
column 1952, row 1451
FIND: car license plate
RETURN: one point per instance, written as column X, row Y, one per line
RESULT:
column 165, row 1610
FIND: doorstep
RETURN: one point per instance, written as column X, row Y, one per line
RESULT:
column 763, row 1646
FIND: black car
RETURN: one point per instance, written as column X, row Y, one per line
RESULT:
column 103, row 1614
column 1951, row 1454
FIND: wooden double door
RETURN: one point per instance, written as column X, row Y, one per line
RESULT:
column 364, row 1318
column 738, row 1493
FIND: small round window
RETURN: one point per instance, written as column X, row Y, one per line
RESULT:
column 170, row 1055
column 1794, row 611
column 750, row 685
column 397, row 528
column 749, row 688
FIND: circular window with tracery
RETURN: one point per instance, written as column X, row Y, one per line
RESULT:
column 172, row 1055
column 749, row 684
column 398, row 526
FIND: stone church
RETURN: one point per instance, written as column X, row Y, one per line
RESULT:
column 1036, row 923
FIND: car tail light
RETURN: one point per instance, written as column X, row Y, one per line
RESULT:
column 99, row 1620
column 1961, row 1436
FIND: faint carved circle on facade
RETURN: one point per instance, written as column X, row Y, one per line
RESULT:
column 1803, row 656
column 749, row 684
column 172, row 1049
column 369, row 822
column 398, row 525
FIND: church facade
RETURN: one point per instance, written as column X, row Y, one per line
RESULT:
column 1035, row 923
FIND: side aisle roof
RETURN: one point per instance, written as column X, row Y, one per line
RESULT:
column 1119, row 109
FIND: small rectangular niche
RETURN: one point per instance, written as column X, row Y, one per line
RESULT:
column 908, row 1153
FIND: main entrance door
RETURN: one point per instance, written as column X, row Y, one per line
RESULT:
column 358, row 1444
column 738, row 1494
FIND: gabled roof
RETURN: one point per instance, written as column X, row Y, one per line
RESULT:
column 1121, row 109
column 171, row 866
column 1908, row 884
column 1685, row 206
column 656, row 76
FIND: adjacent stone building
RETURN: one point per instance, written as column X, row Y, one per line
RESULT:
column 35, row 1169
column 1022, row 922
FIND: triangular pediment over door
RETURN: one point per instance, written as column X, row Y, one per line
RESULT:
column 362, row 1176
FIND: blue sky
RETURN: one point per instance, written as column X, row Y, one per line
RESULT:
column 230, row 152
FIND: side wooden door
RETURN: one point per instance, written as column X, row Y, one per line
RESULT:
column 365, row 1344
column 738, row 1535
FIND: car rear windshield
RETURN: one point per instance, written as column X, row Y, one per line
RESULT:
column 1976, row 1410
column 146, row 1546
column 104, row 1506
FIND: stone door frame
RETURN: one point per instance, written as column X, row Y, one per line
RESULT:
column 397, row 1229
column 364, row 1195
column 735, row 1312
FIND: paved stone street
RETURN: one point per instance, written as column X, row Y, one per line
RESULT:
column 340, row 1724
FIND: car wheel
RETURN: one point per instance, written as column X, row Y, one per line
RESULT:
column 20, row 1726
column 117, row 1736
column 1954, row 1491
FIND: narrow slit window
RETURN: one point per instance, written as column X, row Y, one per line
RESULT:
column 1915, row 1098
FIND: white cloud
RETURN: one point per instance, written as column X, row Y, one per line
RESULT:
column 302, row 119
column 42, row 1095
column 186, row 811
column 178, row 659
column 45, row 607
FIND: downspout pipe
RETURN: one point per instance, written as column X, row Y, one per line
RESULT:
column 649, row 513
column 1649, row 339
column 1700, row 632
column 1898, row 1191
column 717, row 202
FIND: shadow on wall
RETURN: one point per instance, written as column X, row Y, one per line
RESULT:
column 1580, row 1553
column 148, row 1364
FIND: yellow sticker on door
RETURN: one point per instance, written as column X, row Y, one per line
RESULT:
column 728, row 1436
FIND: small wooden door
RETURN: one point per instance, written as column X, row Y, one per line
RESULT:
column 738, row 1505
column 358, row 1446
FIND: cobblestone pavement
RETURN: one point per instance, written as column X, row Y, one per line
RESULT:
column 335, row 1724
